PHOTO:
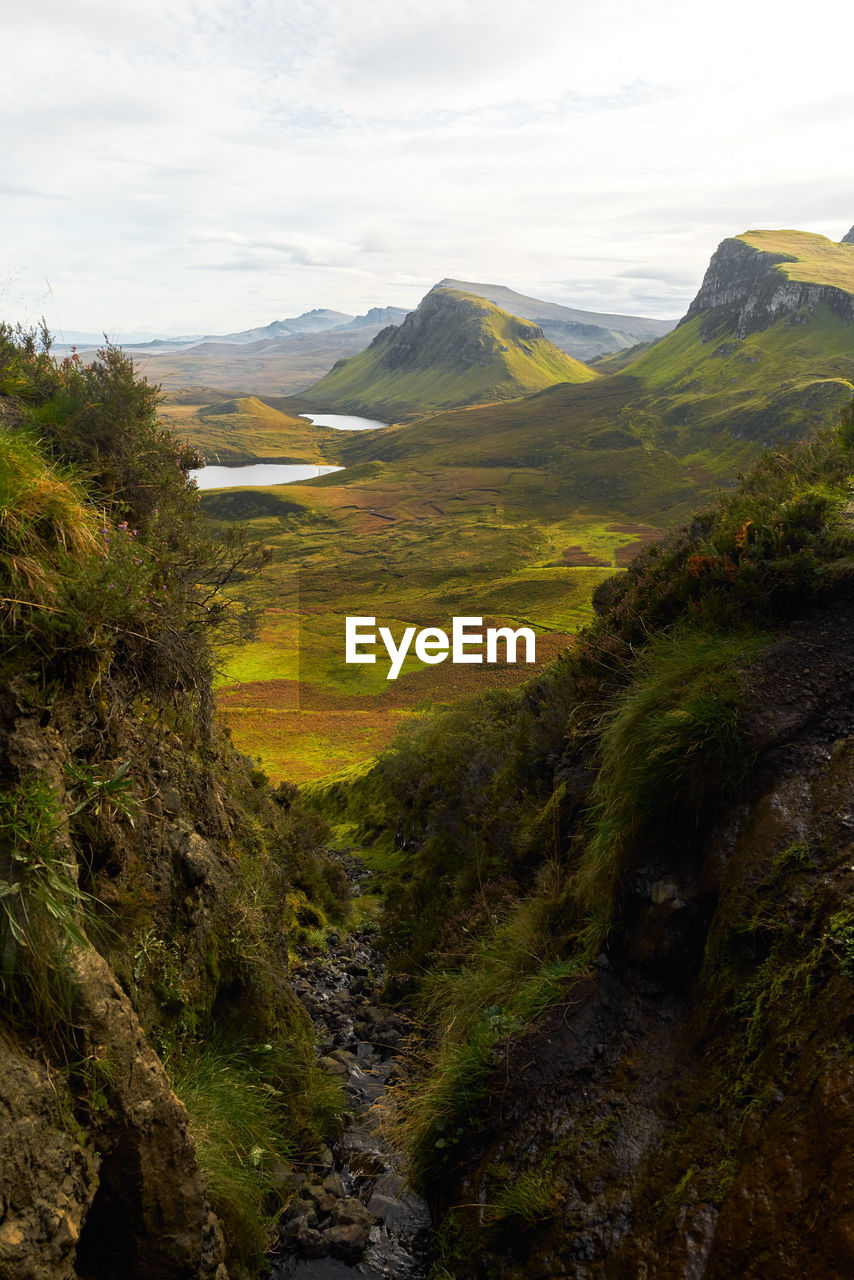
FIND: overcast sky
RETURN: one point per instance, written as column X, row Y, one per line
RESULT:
column 179, row 166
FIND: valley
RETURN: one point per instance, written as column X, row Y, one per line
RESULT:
column 583, row 932
column 521, row 507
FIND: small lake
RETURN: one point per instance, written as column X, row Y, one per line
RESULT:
column 343, row 421
column 259, row 473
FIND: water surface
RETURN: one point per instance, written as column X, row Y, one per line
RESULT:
column 343, row 421
column 258, row 473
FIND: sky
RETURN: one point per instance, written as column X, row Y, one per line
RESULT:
column 177, row 167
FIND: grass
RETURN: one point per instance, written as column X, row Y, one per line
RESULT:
column 246, row 429
column 41, row 907
column 45, row 526
column 817, row 259
column 251, row 1108
column 669, row 743
column 476, row 353
column 514, row 975
column 532, row 1197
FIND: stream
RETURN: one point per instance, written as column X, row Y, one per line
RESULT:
column 353, row 1214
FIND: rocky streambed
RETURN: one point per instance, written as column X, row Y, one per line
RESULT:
column 352, row 1213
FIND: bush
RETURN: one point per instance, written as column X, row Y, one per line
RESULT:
column 118, row 571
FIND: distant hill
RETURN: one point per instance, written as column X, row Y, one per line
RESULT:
column 269, row 366
column 309, row 322
column 246, row 429
column 454, row 349
column 582, row 334
column 765, row 351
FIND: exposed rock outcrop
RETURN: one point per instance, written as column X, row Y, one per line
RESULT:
column 694, row 1097
column 743, row 292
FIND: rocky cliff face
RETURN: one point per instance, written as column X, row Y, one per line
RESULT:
column 449, row 327
column 152, row 885
column 695, row 1096
column 743, row 293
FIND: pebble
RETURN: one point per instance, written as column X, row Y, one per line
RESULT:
column 353, row 1206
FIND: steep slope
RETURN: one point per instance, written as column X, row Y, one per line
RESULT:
column 453, row 349
column 582, row 334
column 155, row 1065
column 765, row 350
column 766, row 346
column 623, row 894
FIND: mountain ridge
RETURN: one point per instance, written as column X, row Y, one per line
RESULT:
column 580, row 333
column 453, row 349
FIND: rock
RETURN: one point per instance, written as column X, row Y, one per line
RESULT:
column 290, row 1229
column 151, row 1200
column 48, row 1177
column 332, row 1066
column 333, row 1184
column 352, row 1211
column 170, row 798
column 312, row 1244
column 347, row 1242
column 313, row 1191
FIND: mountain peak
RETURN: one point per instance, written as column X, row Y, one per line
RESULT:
column 760, row 277
column 849, row 238
column 456, row 348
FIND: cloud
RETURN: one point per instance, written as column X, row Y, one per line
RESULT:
column 351, row 155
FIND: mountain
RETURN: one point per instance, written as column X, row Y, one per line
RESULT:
column 766, row 346
column 582, row 334
column 309, row 322
column 765, row 349
column 454, row 349
column 269, row 366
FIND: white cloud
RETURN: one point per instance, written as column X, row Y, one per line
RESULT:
column 210, row 164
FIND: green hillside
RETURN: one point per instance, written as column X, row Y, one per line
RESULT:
column 454, row 349
column 814, row 258
column 520, row 508
column 246, row 429
column 766, row 347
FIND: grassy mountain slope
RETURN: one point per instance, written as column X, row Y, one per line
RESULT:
column 811, row 258
column 455, row 348
column 582, row 334
column 246, row 429
column 526, row 504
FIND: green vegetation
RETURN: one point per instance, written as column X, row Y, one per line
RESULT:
column 456, row 348
column 524, row 506
column 814, row 259
column 249, row 1106
column 669, row 743
column 128, row 822
column 521, row 817
column 247, row 429
column 42, row 907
